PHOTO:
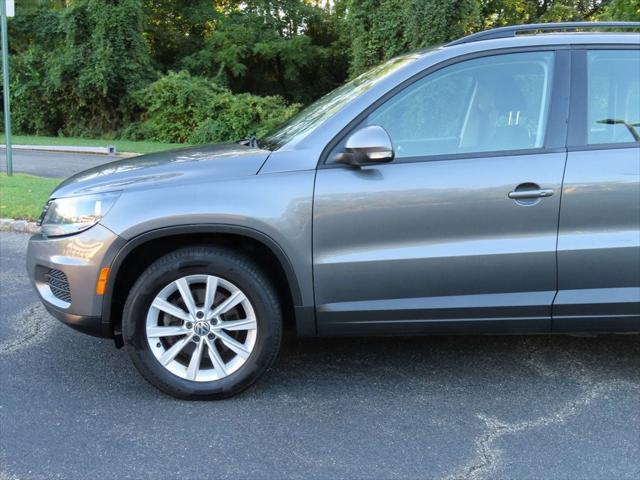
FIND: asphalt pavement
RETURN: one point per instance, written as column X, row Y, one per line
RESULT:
column 52, row 164
column 73, row 407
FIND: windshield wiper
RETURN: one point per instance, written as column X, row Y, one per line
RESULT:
column 252, row 142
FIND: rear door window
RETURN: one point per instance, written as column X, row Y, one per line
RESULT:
column 613, row 96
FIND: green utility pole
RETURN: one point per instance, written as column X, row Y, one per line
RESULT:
column 5, row 84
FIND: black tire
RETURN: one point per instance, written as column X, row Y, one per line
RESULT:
column 221, row 262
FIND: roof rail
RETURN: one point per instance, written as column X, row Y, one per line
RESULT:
column 512, row 31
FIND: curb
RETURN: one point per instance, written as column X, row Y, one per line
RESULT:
column 18, row 226
column 109, row 150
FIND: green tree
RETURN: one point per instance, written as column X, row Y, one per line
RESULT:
column 102, row 59
column 74, row 65
column 175, row 29
column 497, row 13
column 622, row 10
column 283, row 47
column 380, row 29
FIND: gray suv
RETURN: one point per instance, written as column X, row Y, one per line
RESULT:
column 491, row 185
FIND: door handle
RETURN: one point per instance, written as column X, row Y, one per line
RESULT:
column 523, row 194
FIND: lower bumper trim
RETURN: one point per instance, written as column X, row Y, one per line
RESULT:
column 89, row 325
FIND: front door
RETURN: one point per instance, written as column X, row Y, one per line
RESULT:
column 459, row 232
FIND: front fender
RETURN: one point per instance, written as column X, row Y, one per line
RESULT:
column 274, row 209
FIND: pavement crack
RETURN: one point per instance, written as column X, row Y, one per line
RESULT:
column 30, row 324
column 488, row 456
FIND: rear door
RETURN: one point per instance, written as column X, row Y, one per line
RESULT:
column 451, row 235
column 599, row 235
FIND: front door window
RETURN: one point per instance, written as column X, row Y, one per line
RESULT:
column 495, row 103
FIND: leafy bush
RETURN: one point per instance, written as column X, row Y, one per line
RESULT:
column 172, row 107
column 35, row 107
column 183, row 108
column 73, row 68
column 102, row 59
column 240, row 116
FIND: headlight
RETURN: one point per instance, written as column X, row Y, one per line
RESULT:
column 65, row 216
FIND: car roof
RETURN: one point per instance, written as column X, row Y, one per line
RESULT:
column 573, row 28
column 558, row 38
column 455, row 49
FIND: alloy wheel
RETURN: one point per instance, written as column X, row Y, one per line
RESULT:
column 201, row 328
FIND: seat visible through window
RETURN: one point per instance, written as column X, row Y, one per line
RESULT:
column 495, row 103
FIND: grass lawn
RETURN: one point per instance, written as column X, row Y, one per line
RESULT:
column 121, row 145
column 23, row 196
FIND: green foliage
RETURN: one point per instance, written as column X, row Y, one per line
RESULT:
column 381, row 29
column 35, row 105
column 172, row 107
column 22, row 196
column 286, row 47
column 510, row 12
column 622, row 10
column 175, row 29
column 240, row 116
column 33, row 34
column 102, row 68
column 103, row 59
column 182, row 108
column 76, row 67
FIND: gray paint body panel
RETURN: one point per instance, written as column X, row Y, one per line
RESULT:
column 599, row 240
column 176, row 168
column 81, row 257
column 426, row 230
column 277, row 205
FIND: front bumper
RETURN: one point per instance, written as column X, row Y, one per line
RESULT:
column 82, row 323
column 73, row 300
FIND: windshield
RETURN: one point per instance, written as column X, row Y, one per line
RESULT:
column 307, row 120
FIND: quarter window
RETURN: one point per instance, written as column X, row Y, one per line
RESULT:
column 613, row 96
column 495, row 103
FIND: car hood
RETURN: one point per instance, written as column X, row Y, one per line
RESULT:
column 185, row 165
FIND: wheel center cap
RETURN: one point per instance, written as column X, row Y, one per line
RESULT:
column 201, row 328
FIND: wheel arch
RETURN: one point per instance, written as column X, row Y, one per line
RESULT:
column 130, row 261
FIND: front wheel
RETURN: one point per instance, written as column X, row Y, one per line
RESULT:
column 202, row 322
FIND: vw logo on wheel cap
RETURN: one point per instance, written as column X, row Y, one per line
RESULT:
column 201, row 328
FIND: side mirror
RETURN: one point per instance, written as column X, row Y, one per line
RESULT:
column 367, row 146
